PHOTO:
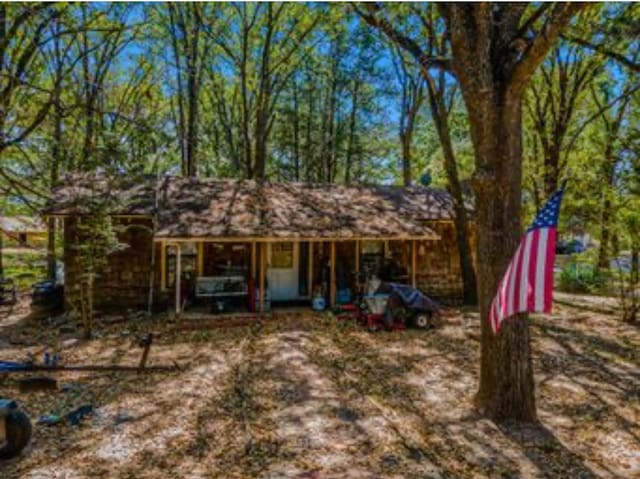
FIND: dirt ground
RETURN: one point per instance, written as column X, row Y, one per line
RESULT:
column 308, row 397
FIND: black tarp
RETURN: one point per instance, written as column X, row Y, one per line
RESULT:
column 412, row 298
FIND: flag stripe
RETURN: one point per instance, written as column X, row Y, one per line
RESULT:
column 523, row 279
column 541, row 263
column 502, row 297
column 551, row 252
column 527, row 284
column 512, row 283
column 533, row 268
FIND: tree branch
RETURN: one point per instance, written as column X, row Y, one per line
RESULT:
column 403, row 41
column 537, row 49
column 603, row 50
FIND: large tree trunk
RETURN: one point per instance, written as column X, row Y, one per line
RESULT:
column 461, row 220
column 635, row 262
column 1, row 251
column 308, row 144
column 609, row 172
column 492, row 72
column 605, row 235
column 296, row 133
column 353, row 115
column 192, row 92
column 56, row 157
column 493, row 63
column 263, row 109
column 463, row 232
column 405, row 140
column 506, row 374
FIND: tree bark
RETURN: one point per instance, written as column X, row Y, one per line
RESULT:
column 461, row 220
column 612, row 127
column 55, row 165
column 90, row 94
column 308, row 145
column 331, row 122
column 506, row 375
column 263, row 112
column 353, row 116
column 193, row 88
column 405, row 141
column 296, row 132
column 493, row 71
column 56, row 154
column 1, row 252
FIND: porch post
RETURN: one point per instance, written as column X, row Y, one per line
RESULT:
column 253, row 262
column 263, row 264
column 332, row 279
column 163, row 266
column 310, row 271
column 178, row 274
column 414, row 262
column 200, row 257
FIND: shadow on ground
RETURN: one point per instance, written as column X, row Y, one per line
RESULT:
column 308, row 397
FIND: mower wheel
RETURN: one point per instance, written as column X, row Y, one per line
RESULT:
column 18, row 428
column 422, row 321
column 373, row 326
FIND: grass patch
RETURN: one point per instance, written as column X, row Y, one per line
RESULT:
column 25, row 266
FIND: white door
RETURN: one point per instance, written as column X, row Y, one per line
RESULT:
column 282, row 271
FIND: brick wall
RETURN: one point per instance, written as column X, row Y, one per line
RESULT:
column 124, row 282
column 438, row 264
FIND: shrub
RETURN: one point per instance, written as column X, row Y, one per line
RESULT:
column 581, row 278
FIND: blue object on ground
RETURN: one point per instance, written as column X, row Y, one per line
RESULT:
column 344, row 296
column 49, row 419
column 8, row 404
column 13, row 366
column 76, row 416
column 318, row 303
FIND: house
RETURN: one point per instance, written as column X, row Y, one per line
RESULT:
column 23, row 231
column 206, row 239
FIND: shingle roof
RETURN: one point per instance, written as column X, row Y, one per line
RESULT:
column 133, row 195
column 205, row 208
column 21, row 224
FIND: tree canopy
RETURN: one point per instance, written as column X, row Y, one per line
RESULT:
column 506, row 100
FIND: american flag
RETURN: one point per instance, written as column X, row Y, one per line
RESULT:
column 527, row 286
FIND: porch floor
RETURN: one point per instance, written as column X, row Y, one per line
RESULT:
column 197, row 315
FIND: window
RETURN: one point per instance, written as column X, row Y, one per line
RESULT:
column 188, row 263
column 282, row 255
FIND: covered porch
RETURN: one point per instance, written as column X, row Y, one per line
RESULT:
column 253, row 275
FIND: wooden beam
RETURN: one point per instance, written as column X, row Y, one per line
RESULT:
column 357, row 259
column 310, row 271
column 178, row 274
column 200, row 258
column 414, row 263
column 163, row 266
column 295, row 239
column 263, row 264
column 253, row 262
column 332, row 275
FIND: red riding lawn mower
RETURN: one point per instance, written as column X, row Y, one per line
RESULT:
column 390, row 306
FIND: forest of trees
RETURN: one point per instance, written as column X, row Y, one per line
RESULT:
column 508, row 100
